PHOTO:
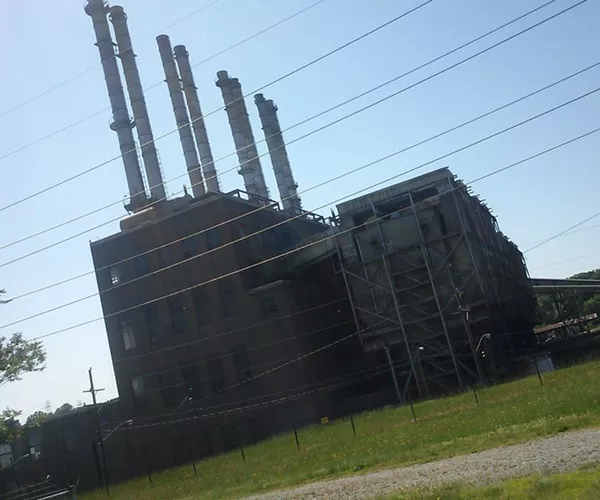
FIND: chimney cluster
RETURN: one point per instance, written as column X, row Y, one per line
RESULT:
column 188, row 117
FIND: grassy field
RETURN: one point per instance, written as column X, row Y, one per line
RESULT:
column 581, row 485
column 508, row 413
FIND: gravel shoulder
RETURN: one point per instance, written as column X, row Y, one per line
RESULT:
column 562, row 453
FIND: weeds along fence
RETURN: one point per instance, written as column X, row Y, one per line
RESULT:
column 146, row 450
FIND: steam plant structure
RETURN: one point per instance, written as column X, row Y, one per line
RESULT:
column 218, row 300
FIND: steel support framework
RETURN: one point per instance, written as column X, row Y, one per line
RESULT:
column 430, row 269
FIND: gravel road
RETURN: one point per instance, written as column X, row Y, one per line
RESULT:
column 561, row 453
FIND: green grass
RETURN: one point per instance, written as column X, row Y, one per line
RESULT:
column 508, row 413
column 580, row 485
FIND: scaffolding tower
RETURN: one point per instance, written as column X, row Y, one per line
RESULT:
column 433, row 282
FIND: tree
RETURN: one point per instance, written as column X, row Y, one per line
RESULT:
column 36, row 419
column 64, row 409
column 10, row 427
column 18, row 355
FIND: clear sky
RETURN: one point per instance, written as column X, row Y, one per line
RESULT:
column 47, row 42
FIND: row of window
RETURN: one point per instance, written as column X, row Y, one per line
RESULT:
column 174, row 393
column 179, row 317
column 189, row 248
column 274, row 240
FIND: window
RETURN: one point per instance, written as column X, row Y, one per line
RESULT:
column 141, row 265
column 165, row 256
column 243, row 234
column 168, row 391
column 137, row 385
column 242, row 365
column 189, row 247
column 153, row 326
column 128, row 335
column 178, row 316
column 213, row 238
column 115, row 275
column 201, row 299
column 190, row 376
column 6, row 456
column 226, row 298
column 217, row 377
column 268, row 306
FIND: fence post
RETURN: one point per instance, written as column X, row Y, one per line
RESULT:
column 412, row 408
column 353, row 427
column 537, row 370
column 296, row 436
column 475, row 394
column 243, row 454
column 98, row 466
column 148, row 465
column 193, row 461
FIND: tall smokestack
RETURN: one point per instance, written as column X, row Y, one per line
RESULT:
column 243, row 138
column 122, row 123
column 288, row 189
column 181, row 115
column 138, row 103
column 191, row 96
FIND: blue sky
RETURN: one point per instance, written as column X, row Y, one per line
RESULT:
column 46, row 42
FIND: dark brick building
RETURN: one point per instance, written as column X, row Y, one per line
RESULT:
column 213, row 320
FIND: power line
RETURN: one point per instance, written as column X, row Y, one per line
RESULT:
column 354, row 113
column 156, row 85
column 85, row 72
column 287, row 75
column 285, row 221
column 328, row 110
column 414, row 145
column 303, row 247
column 378, row 370
column 565, row 231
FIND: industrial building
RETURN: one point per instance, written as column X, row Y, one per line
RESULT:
column 232, row 316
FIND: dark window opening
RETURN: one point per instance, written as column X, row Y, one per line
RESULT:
column 192, row 381
column 141, row 265
column 268, row 305
column 242, row 365
column 201, row 299
column 243, row 234
column 165, row 256
column 168, row 391
column 226, row 298
column 217, row 377
column 152, row 322
column 177, row 310
column 189, row 247
column 213, row 238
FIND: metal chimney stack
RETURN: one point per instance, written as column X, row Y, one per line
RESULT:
column 288, row 189
column 138, row 103
column 243, row 138
column 181, row 115
column 193, row 102
column 122, row 123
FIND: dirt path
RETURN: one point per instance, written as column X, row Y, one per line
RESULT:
column 561, row 453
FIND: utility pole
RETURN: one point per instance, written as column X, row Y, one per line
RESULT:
column 92, row 390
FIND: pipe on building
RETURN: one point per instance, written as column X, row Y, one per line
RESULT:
column 181, row 115
column 138, row 103
column 193, row 102
column 288, row 189
column 243, row 138
column 122, row 123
